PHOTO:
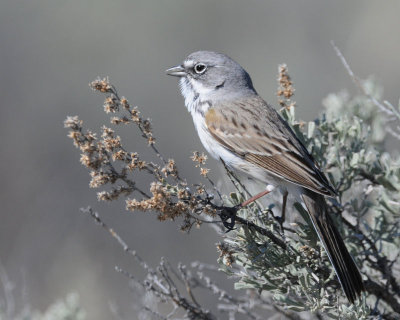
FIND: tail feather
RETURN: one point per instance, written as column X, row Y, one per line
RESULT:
column 344, row 265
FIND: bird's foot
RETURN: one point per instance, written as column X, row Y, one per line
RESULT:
column 228, row 216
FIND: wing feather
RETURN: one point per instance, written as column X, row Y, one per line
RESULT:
column 259, row 135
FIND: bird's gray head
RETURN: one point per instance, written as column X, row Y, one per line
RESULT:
column 211, row 76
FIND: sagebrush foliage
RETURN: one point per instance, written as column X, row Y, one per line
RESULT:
column 68, row 308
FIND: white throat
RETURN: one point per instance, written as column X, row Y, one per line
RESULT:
column 194, row 94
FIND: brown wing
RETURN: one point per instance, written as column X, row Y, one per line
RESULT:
column 254, row 131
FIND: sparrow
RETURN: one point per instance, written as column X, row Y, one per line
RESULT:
column 238, row 127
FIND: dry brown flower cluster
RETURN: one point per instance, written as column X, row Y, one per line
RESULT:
column 162, row 202
column 170, row 169
column 99, row 156
column 200, row 159
column 110, row 164
column 226, row 254
column 285, row 88
column 113, row 103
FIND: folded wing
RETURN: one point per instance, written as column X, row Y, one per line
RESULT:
column 271, row 144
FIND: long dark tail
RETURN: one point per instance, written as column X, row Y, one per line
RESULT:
column 344, row 265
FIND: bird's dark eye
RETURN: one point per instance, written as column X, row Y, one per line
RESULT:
column 200, row 68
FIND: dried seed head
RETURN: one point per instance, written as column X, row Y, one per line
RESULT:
column 199, row 158
column 73, row 123
column 135, row 115
column 226, row 254
column 98, row 179
column 111, row 105
column 204, row 171
column 285, row 89
column 151, row 140
column 101, row 85
column 170, row 169
column 120, row 120
column 124, row 103
column 119, row 155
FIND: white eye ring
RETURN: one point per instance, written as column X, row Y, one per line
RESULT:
column 200, row 68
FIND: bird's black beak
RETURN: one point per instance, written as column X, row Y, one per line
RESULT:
column 177, row 71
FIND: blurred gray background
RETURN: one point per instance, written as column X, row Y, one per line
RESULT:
column 50, row 50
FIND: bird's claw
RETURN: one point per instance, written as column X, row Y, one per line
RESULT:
column 228, row 217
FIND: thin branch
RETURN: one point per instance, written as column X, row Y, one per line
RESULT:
column 117, row 237
column 357, row 81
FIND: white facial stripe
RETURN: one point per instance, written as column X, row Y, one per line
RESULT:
column 188, row 63
column 199, row 87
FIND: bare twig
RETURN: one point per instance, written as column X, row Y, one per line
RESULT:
column 386, row 107
column 357, row 81
column 159, row 282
